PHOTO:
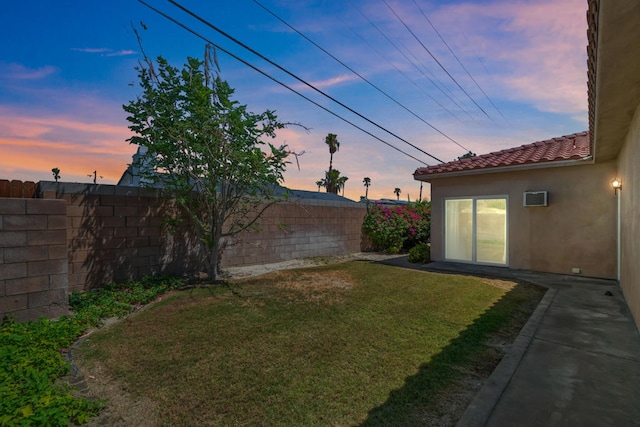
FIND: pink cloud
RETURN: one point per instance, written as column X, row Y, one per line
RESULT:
column 28, row 152
column 536, row 46
column 322, row 84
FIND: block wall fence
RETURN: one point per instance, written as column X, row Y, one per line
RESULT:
column 81, row 236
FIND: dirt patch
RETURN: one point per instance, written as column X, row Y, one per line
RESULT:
column 92, row 382
column 328, row 287
column 257, row 270
column 502, row 284
column 317, row 281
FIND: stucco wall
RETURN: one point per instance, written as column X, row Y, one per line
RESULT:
column 576, row 230
column 629, row 170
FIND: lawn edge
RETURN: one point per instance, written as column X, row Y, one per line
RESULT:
column 482, row 405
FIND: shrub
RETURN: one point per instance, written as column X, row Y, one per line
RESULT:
column 420, row 253
column 393, row 228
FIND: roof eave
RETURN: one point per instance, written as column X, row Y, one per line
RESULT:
column 529, row 166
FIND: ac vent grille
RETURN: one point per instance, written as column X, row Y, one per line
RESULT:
column 535, row 198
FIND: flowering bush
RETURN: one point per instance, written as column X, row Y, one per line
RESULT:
column 394, row 228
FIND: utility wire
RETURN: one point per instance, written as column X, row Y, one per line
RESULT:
column 436, row 59
column 195, row 33
column 443, row 88
column 213, row 27
column 392, row 43
column 356, row 73
column 403, row 73
column 457, row 59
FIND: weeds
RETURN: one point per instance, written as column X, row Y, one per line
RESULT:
column 32, row 354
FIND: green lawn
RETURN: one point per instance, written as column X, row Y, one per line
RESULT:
column 348, row 344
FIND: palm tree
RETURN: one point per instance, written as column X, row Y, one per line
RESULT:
column 340, row 184
column 331, row 179
column 320, row 183
column 367, row 183
column 332, row 141
column 333, row 182
column 397, row 192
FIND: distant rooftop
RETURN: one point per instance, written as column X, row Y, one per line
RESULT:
column 568, row 147
column 309, row 195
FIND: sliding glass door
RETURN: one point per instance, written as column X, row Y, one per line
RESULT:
column 458, row 234
column 475, row 230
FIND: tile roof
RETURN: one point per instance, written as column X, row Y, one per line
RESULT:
column 569, row 147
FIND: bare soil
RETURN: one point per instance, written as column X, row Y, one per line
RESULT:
column 125, row 409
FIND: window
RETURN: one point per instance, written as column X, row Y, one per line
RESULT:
column 475, row 230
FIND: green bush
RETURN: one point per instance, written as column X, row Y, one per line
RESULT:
column 32, row 354
column 393, row 228
column 420, row 253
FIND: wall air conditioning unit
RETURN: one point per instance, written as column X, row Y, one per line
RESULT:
column 535, row 198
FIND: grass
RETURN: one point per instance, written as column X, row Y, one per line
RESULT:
column 349, row 344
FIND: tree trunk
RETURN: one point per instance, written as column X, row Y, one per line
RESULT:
column 329, row 180
column 215, row 255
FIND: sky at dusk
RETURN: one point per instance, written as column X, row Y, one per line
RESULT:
column 444, row 76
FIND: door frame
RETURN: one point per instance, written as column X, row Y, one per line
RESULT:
column 473, row 228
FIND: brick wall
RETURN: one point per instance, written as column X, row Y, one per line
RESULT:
column 33, row 258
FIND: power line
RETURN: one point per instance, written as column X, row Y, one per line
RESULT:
column 391, row 42
column 195, row 33
column 233, row 39
column 403, row 74
column 435, row 59
column 457, row 59
column 443, row 88
column 356, row 73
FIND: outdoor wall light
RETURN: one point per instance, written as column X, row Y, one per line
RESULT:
column 617, row 185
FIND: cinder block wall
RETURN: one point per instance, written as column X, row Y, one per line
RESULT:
column 116, row 233
column 299, row 229
column 81, row 236
column 33, row 258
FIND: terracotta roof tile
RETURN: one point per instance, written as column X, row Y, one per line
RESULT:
column 569, row 147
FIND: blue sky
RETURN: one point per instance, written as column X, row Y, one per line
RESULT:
column 66, row 68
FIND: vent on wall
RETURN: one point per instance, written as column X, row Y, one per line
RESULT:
column 535, row 198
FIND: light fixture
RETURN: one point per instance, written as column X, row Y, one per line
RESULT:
column 617, row 185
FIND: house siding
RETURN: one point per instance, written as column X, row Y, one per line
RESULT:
column 576, row 230
column 629, row 170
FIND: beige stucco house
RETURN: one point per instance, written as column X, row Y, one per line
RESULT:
column 550, row 205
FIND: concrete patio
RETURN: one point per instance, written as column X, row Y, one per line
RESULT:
column 575, row 363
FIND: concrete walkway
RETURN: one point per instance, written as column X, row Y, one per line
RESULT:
column 575, row 363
